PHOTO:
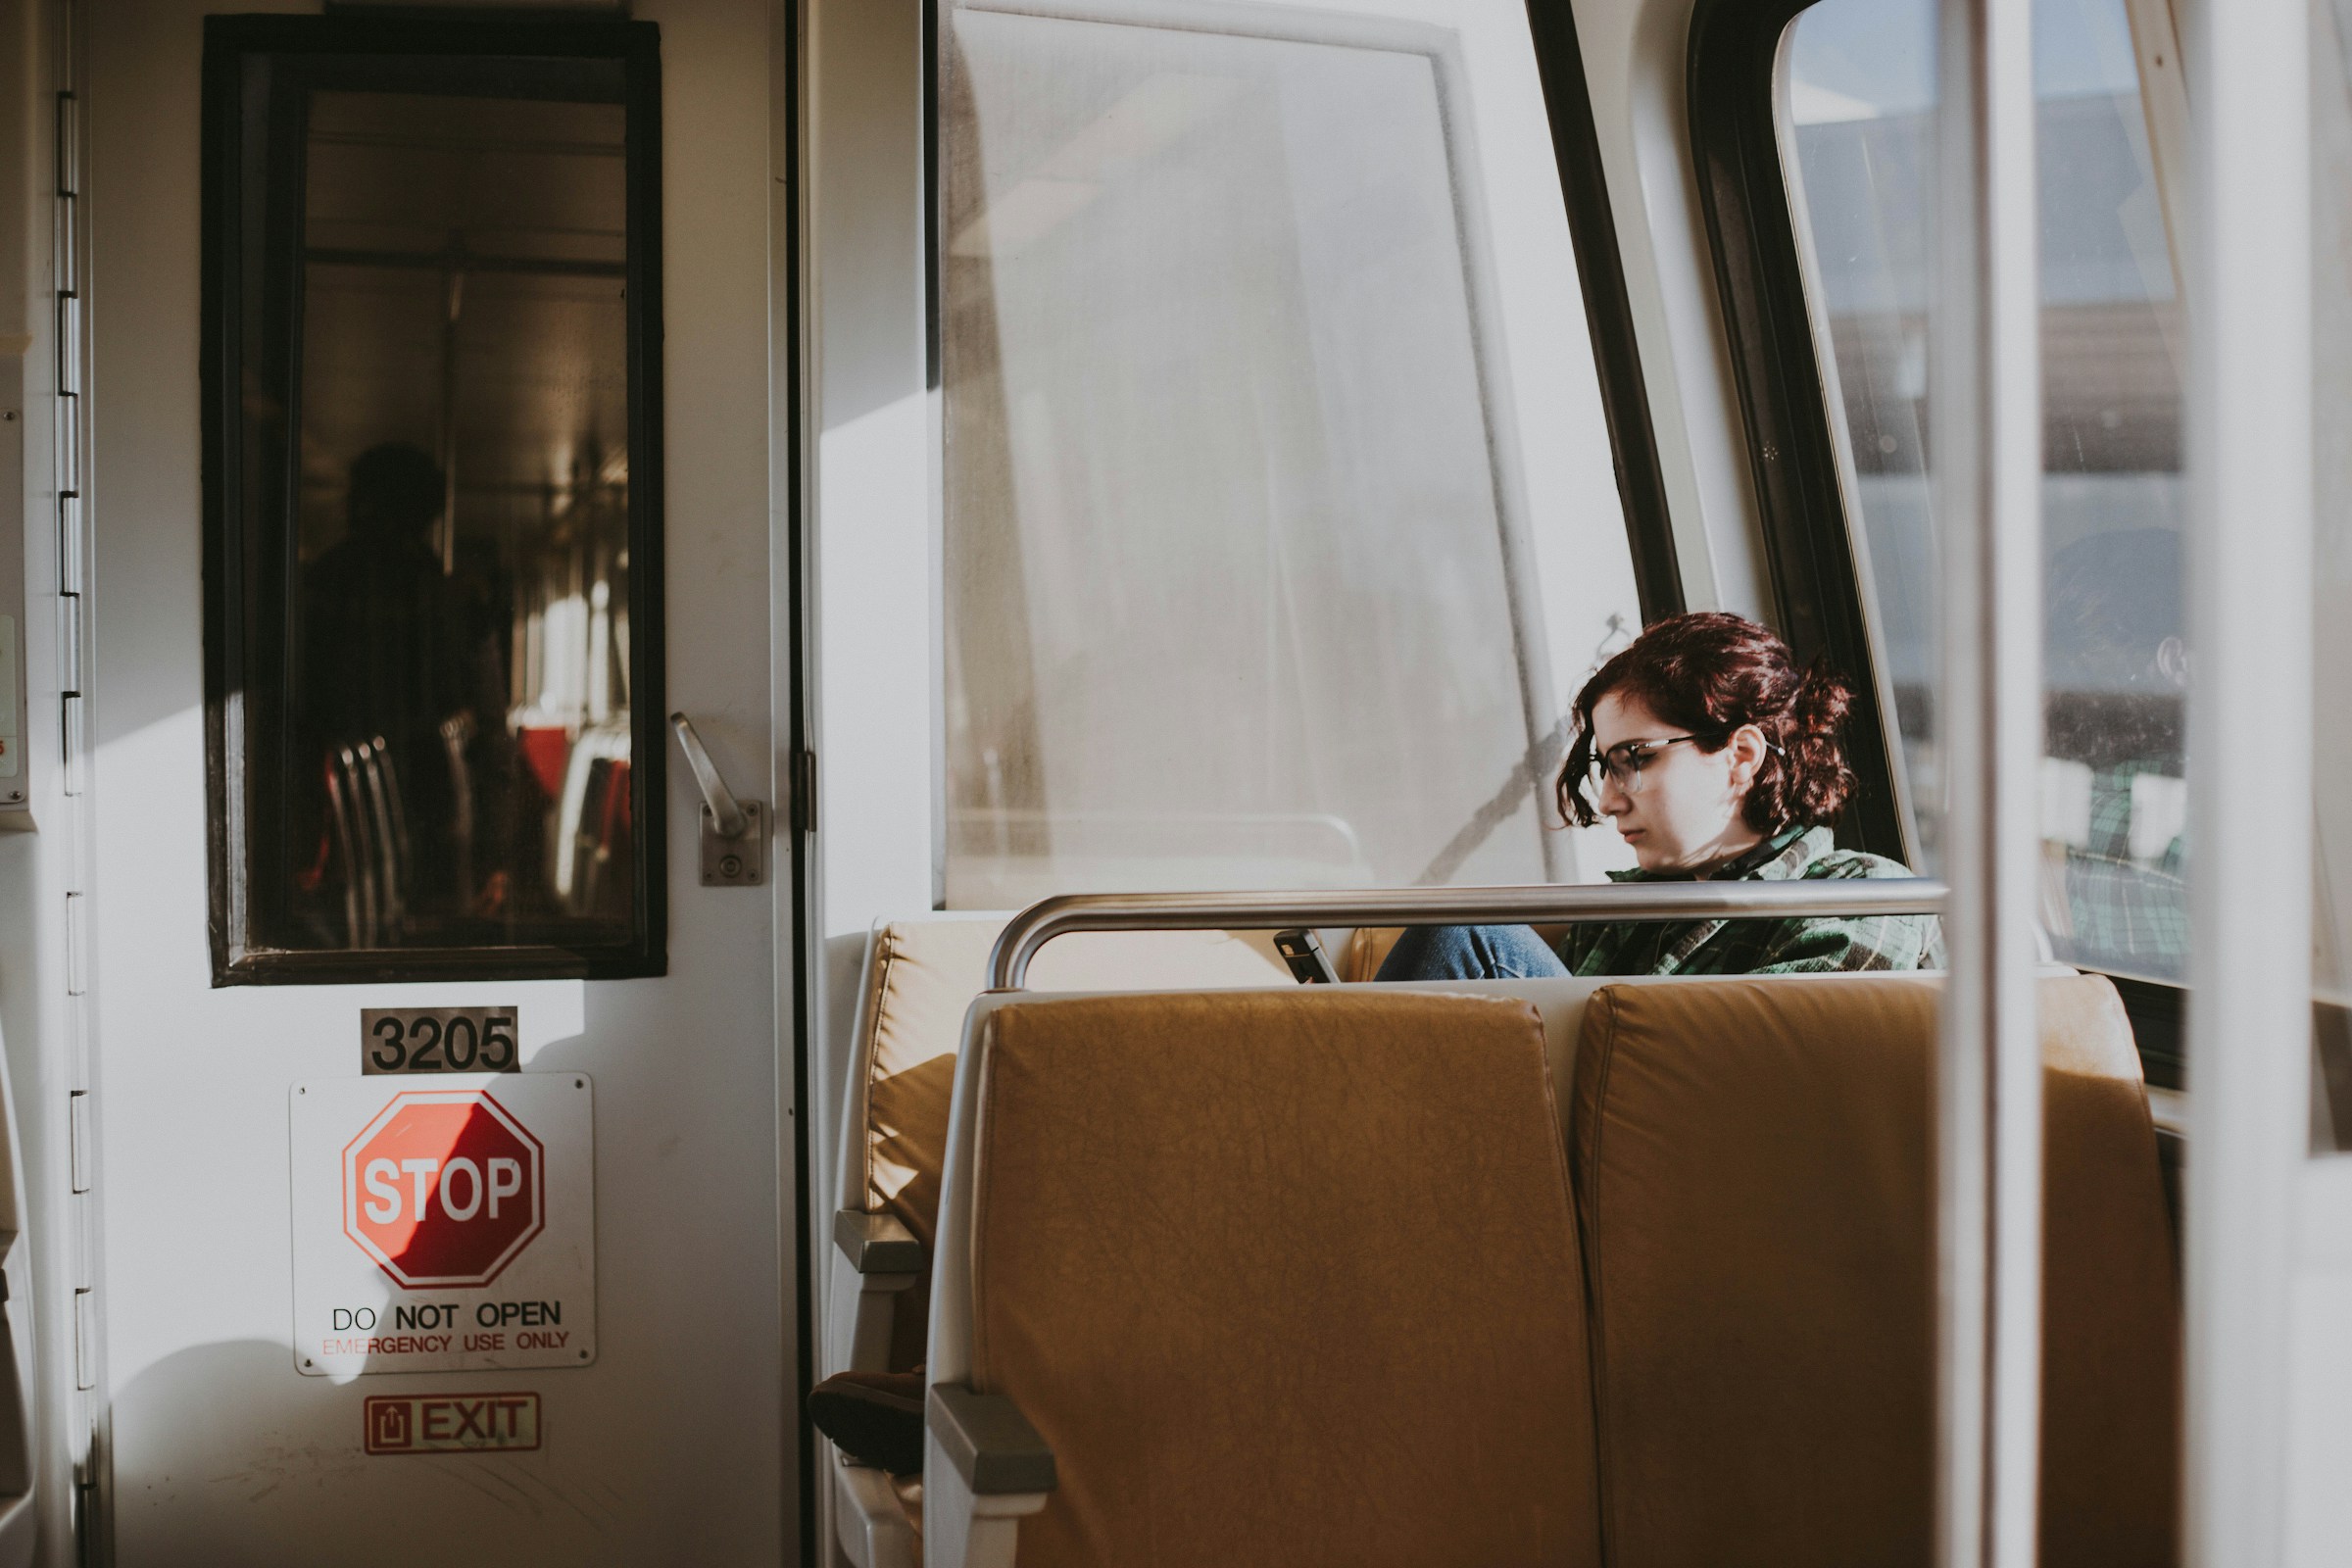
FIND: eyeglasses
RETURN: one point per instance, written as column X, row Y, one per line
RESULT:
column 1622, row 764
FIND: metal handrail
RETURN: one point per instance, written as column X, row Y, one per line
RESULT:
column 1047, row 919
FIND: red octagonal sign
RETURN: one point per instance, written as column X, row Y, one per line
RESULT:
column 443, row 1188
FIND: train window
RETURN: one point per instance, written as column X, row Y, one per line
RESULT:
column 432, row 593
column 1277, row 515
column 1855, row 93
column 2332, row 575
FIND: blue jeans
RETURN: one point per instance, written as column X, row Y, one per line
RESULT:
column 1470, row 953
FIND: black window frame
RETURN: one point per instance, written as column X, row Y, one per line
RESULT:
column 1608, row 308
column 1775, row 369
column 245, row 588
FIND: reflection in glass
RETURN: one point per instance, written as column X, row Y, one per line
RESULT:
column 2331, row 572
column 458, row 757
column 1858, row 114
column 1236, row 558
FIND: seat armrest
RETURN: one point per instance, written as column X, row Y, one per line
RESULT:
column 880, row 1262
column 876, row 1244
column 990, row 1442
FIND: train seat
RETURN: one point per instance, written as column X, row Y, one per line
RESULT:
column 1753, row 1163
column 1270, row 1276
column 920, row 977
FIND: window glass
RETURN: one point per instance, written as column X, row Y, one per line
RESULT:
column 433, row 512
column 1278, row 517
column 1857, row 119
column 2332, row 575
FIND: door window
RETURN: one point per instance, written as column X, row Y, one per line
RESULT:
column 434, row 630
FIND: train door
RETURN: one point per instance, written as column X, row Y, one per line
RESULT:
column 427, row 380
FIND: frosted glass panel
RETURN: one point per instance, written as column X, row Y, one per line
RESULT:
column 1239, row 580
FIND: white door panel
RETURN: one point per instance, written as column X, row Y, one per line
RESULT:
column 675, row 1446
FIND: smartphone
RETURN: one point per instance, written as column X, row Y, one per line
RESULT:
column 1301, row 950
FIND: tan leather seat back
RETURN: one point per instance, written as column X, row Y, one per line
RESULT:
column 1285, row 1278
column 920, row 979
column 1753, row 1172
column 2110, row 1305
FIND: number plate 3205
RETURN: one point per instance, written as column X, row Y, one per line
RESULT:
column 430, row 1040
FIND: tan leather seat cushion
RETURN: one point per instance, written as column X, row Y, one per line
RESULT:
column 1753, row 1163
column 1285, row 1278
column 920, row 981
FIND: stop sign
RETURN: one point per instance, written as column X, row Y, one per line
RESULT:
column 443, row 1188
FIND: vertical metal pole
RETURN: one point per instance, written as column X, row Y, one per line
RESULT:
column 1986, row 477
column 2250, row 755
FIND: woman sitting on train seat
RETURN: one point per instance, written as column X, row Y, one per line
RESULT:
column 1716, row 759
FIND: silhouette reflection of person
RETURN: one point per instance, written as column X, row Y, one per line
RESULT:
column 391, row 649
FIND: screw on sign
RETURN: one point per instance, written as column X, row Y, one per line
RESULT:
column 443, row 1188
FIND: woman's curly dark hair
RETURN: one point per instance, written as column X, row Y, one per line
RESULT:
column 1710, row 673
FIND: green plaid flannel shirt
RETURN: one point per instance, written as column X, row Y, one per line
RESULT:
column 1817, row 946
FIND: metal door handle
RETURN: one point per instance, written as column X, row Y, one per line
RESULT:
column 723, row 806
column 731, row 839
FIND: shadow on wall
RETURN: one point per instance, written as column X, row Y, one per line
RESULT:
column 280, row 1475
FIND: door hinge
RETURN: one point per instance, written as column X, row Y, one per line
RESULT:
column 804, row 792
column 78, row 1128
column 78, row 945
column 86, row 1338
